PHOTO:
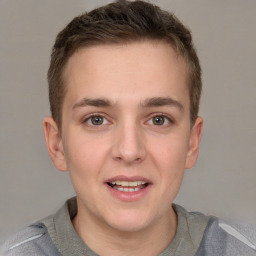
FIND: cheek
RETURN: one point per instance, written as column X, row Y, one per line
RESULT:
column 84, row 160
column 169, row 158
column 84, row 155
column 170, row 153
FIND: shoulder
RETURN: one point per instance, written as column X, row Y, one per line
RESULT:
column 228, row 238
column 211, row 236
column 193, row 224
column 32, row 240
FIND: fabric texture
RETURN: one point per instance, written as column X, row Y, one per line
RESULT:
column 196, row 235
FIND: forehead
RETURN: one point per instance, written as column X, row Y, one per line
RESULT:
column 147, row 68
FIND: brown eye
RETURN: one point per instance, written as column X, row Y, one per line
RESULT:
column 158, row 120
column 96, row 120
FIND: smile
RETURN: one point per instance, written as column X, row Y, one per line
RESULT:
column 128, row 186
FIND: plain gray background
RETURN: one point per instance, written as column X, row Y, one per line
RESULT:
column 223, row 181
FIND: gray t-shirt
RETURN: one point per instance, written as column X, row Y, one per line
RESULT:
column 189, row 233
column 196, row 235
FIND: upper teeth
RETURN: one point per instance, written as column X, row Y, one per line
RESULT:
column 128, row 183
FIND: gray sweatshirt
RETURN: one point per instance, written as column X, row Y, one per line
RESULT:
column 196, row 235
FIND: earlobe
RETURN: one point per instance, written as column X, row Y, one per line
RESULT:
column 54, row 143
column 194, row 142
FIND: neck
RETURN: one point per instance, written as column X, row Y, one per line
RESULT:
column 105, row 240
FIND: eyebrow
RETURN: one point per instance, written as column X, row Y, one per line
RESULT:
column 162, row 101
column 92, row 102
column 151, row 102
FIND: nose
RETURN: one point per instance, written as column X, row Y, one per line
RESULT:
column 129, row 144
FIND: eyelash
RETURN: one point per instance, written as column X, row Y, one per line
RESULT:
column 161, row 115
column 89, row 119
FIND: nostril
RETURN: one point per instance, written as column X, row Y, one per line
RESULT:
column 118, row 158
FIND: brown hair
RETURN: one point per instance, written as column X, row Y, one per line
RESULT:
column 121, row 22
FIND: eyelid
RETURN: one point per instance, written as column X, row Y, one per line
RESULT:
column 87, row 117
column 167, row 117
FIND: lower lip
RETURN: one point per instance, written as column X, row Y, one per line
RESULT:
column 129, row 196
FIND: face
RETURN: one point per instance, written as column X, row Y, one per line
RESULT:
column 126, row 134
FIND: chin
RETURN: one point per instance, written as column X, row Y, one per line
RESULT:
column 129, row 227
column 129, row 222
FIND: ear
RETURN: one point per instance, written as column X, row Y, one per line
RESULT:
column 194, row 141
column 54, row 143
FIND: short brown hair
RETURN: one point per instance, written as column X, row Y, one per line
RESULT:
column 116, row 23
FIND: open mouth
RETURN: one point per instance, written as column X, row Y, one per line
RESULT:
column 128, row 186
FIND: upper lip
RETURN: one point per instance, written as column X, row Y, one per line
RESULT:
column 126, row 178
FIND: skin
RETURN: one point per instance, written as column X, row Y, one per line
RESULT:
column 128, row 88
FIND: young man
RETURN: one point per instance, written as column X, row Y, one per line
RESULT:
column 124, row 87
